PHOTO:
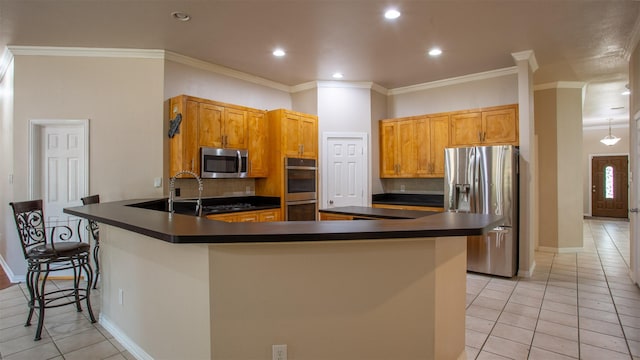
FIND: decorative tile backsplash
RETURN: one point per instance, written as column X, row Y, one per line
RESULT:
column 413, row 186
column 216, row 187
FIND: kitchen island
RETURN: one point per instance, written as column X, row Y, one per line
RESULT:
column 178, row 286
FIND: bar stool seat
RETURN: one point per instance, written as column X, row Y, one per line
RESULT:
column 44, row 256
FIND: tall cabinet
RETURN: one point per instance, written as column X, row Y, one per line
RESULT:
column 291, row 134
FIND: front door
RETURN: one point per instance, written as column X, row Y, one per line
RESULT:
column 345, row 172
column 609, row 186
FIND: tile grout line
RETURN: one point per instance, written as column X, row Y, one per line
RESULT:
column 606, row 279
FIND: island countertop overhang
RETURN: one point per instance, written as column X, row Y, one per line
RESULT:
column 186, row 229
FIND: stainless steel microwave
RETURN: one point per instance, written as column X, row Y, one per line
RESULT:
column 223, row 163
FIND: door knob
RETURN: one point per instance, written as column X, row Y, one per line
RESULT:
column 330, row 202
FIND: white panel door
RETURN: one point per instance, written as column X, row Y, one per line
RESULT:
column 346, row 174
column 63, row 180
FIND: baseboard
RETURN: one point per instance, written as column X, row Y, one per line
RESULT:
column 7, row 270
column 527, row 273
column 556, row 250
column 123, row 339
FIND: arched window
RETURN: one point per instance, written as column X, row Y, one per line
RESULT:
column 608, row 182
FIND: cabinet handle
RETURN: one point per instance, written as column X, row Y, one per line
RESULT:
column 191, row 165
column 484, row 136
column 480, row 136
column 302, row 152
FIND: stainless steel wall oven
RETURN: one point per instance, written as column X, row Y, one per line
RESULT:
column 300, row 181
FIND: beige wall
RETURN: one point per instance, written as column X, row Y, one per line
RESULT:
column 500, row 90
column 365, row 299
column 165, row 288
column 305, row 101
column 121, row 97
column 378, row 111
column 11, row 254
column 182, row 79
column 570, row 199
column 591, row 146
column 545, row 127
column 559, row 130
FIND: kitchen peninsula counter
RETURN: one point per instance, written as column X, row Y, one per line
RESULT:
column 383, row 289
column 178, row 228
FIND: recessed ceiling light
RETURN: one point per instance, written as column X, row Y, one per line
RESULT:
column 392, row 14
column 279, row 53
column 338, row 75
column 435, row 52
column 182, row 16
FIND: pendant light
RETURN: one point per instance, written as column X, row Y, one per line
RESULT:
column 610, row 140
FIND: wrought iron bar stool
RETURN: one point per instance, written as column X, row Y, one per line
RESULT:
column 46, row 254
column 94, row 229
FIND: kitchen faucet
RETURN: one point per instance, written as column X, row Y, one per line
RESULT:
column 172, row 190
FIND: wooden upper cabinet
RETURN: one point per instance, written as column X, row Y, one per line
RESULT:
column 407, row 154
column 258, row 144
column 388, row 146
column 309, row 136
column 222, row 127
column 501, row 126
column 492, row 126
column 183, row 146
column 210, row 125
column 438, row 141
column 299, row 134
column 207, row 123
column 466, row 129
column 235, row 128
column 413, row 147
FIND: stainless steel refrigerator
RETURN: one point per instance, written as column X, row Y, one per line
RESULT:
column 484, row 179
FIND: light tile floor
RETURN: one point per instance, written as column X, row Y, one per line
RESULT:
column 580, row 305
column 67, row 334
column 575, row 306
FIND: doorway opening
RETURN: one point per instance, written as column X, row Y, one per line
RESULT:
column 58, row 166
column 610, row 186
column 344, row 170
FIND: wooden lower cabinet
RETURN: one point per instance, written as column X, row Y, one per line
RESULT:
column 407, row 207
column 248, row 216
column 331, row 216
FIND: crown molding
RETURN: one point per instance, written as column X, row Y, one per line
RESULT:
column 453, row 81
column 5, row 62
column 85, row 52
column 560, row 85
column 527, row 55
column 200, row 64
column 340, row 84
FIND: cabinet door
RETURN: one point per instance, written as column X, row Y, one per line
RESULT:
column 423, row 148
column 388, row 144
column 309, row 137
column 183, row 147
column 247, row 216
column 466, row 129
column 258, row 142
column 291, row 135
column 269, row 215
column 210, row 125
column 500, row 126
column 439, row 140
column 235, row 128
column 224, row 217
column 407, row 155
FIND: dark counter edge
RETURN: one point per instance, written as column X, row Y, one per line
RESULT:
column 177, row 228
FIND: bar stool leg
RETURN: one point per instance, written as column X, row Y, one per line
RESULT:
column 96, row 261
column 40, row 293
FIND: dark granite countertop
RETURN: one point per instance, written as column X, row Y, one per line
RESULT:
column 378, row 213
column 222, row 205
column 178, row 228
column 431, row 200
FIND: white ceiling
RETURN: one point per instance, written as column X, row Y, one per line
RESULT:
column 573, row 40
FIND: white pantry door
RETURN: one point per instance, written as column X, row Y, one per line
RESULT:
column 63, row 172
column 346, row 171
